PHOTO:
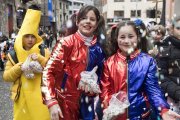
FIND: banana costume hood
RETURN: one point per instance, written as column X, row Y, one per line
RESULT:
column 29, row 105
column 29, row 26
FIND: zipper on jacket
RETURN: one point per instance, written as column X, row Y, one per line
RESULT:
column 127, row 60
column 87, row 59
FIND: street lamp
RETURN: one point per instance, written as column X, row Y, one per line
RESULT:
column 163, row 16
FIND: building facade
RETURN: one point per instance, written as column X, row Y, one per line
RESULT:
column 89, row 2
column 11, row 12
column 62, row 11
column 65, row 9
column 117, row 10
column 98, row 4
column 172, row 9
column 176, row 7
column 75, row 5
column 7, row 17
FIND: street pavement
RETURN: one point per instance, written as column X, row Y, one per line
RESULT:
column 6, row 105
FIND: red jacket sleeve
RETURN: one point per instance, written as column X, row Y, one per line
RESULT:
column 54, row 68
column 105, row 86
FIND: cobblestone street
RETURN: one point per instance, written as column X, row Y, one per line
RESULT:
column 6, row 109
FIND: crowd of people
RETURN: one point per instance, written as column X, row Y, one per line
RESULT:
column 131, row 73
column 47, row 36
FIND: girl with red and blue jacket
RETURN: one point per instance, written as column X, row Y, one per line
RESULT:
column 133, row 72
column 77, row 53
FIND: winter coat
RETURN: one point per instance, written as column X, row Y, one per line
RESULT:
column 169, row 67
column 29, row 105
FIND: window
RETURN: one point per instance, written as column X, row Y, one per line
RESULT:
column 139, row 13
column 119, row 14
column 60, row 17
column 134, row 12
column 64, row 8
column 135, row 0
column 60, row 5
column 151, row 13
column 118, row 0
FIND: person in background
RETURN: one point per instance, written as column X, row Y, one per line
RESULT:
column 169, row 66
column 51, row 38
column 62, row 33
column 67, row 96
column 133, row 72
column 24, row 70
column 158, row 33
column 3, row 50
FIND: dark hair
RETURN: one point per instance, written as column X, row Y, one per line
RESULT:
column 72, row 29
column 141, row 28
column 102, row 37
column 85, row 9
column 62, row 31
column 101, row 26
column 112, row 40
column 82, row 12
column 34, row 7
column 3, row 38
column 160, row 29
column 115, row 31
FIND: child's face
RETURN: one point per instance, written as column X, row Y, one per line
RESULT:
column 176, row 30
column 127, row 39
column 157, row 36
column 29, row 41
column 88, row 24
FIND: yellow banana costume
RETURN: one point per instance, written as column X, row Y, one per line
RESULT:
column 29, row 105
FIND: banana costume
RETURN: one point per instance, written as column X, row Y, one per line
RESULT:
column 29, row 105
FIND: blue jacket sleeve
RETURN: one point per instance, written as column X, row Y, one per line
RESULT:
column 155, row 95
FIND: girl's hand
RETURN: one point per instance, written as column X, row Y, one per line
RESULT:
column 88, row 81
column 34, row 56
column 55, row 112
column 20, row 64
column 170, row 115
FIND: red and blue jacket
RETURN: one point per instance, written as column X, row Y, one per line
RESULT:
column 61, row 76
column 137, row 76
